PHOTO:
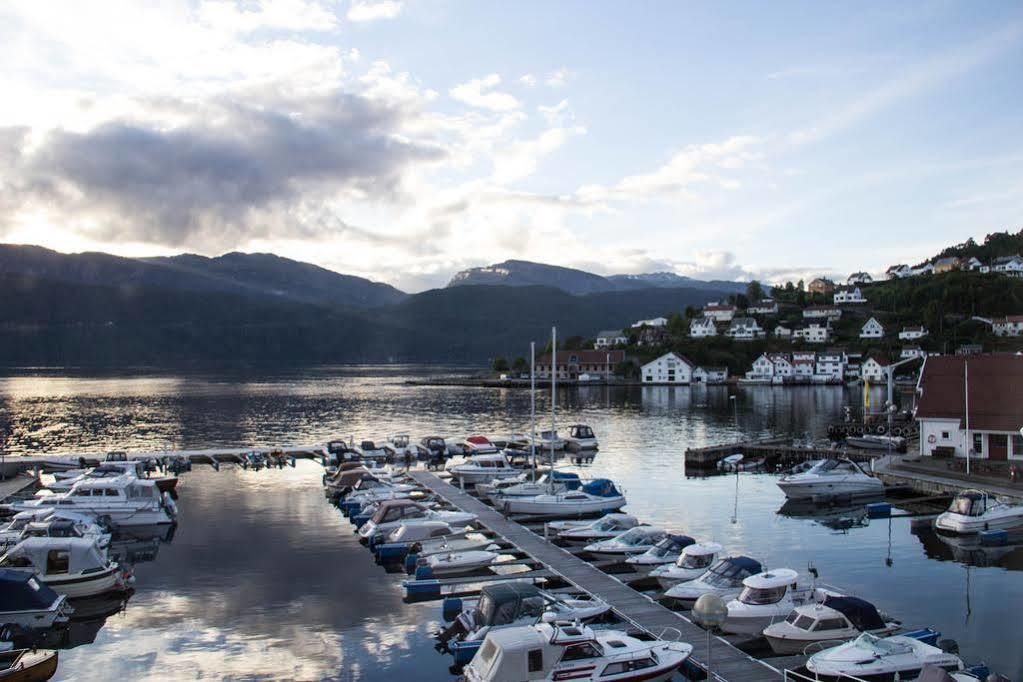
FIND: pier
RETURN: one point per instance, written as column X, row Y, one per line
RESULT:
column 728, row 664
column 774, row 451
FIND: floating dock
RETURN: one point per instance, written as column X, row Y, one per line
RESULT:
column 728, row 664
column 775, row 451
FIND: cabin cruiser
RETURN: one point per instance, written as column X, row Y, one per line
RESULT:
column 482, row 468
column 376, row 451
column 553, row 481
column 76, row 567
column 599, row 496
column 871, row 657
column 665, row 552
column 830, row 477
column 339, row 452
column 56, row 527
column 604, row 528
column 29, row 603
column 973, row 511
column 466, row 540
column 108, row 470
column 690, row 565
column 503, row 605
column 547, row 441
column 11, row 533
column 723, row 578
column 581, row 437
column 836, row 619
column 124, row 500
column 769, row 597
column 633, row 541
column 478, row 445
column 392, row 513
column 563, row 651
column 451, row 564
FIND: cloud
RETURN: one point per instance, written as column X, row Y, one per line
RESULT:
column 479, row 93
column 528, row 80
column 290, row 15
column 364, row 10
column 558, row 78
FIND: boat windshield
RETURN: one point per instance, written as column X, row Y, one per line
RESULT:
column 968, row 505
column 607, row 524
column 637, row 536
column 725, row 574
column 582, row 432
column 664, row 548
column 695, row 560
column 762, row 595
column 882, row 647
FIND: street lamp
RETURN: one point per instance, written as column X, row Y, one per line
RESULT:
column 710, row 612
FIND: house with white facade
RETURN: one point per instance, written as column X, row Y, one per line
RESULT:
column 898, row 271
column 872, row 329
column 815, row 333
column 859, row 278
column 782, row 332
column 764, row 306
column 670, row 368
column 925, row 269
column 745, row 329
column 872, row 370
column 655, row 322
column 1011, row 325
column 803, row 365
column 972, row 263
column 821, row 312
column 849, row 296
column 762, row 369
column 830, row 367
column 702, row 328
column 609, row 338
column 710, row 375
column 1008, row 265
column 782, row 364
column 912, row 352
column 719, row 312
column 992, row 393
column 912, row 333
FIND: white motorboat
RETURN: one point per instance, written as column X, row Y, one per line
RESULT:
column 581, row 437
column 369, row 490
column 837, row 619
column 563, row 651
column 29, row 603
column 73, row 566
column 482, row 468
column 124, row 500
column 478, row 445
column 633, row 541
column 871, row 442
column 599, row 496
column 56, row 527
column 974, row 511
column 553, row 481
column 604, row 528
column 376, row 451
column 690, row 565
column 769, row 597
column 723, row 578
column 451, row 564
column 392, row 513
column 464, row 541
column 830, row 477
column 398, row 445
column 875, row 658
column 107, row 470
column 665, row 552
column 417, row 532
column 547, row 441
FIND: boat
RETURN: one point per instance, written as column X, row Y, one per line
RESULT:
column 398, row 445
column 392, row 513
column 339, row 451
column 463, row 541
column 558, row 481
column 478, row 445
column 598, row 496
column 871, row 442
column 570, row 651
column 482, row 468
column 451, row 564
column 73, row 566
column 974, row 511
column 547, row 441
column 690, row 565
column 113, row 469
column 769, row 597
column 29, row 603
column 738, row 462
column 723, row 578
column 27, row 665
column 931, row 673
column 604, row 528
column 375, row 451
column 869, row 657
column 56, row 527
column 633, row 541
column 828, row 478
column 581, row 437
column 667, row 551
column 123, row 501
column 836, row 619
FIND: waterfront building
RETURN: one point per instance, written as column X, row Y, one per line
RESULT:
column 830, row 367
column 873, row 370
column 670, row 368
column 762, row 369
column 710, row 375
column 572, row 363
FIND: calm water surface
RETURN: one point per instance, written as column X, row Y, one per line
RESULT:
column 263, row 579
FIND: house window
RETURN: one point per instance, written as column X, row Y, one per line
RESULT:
column 944, row 435
column 978, row 443
column 1017, row 445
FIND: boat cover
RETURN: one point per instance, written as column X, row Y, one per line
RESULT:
column 503, row 603
column 17, row 593
column 744, row 562
column 601, row 487
column 681, row 541
column 860, row 613
column 82, row 553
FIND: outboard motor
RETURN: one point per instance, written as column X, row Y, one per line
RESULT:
column 168, row 503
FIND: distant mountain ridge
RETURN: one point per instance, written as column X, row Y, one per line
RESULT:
column 519, row 273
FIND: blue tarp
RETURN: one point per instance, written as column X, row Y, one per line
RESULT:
column 682, row 541
column 601, row 487
column 17, row 594
column 752, row 566
column 860, row 613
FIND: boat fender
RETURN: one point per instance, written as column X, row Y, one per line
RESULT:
column 879, row 510
column 424, row 573
column 169, row 503
column 450, row 608
column 410, row 562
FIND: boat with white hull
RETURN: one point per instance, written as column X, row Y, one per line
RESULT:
column 828, row 478
column 72, row 566
column 554, row 481
column 599, row 496
column 767, row 598
column 123, row 501
column 837, row 619
column 724, row 579
column 457, row 563
column 635, row 541
column 585, row 532
column 869, row 657
column 664, row 553
column 581, row 437
column 482, row 468
column 975, row 511
column 392, row 513
column 57, row 528
column 690, row 565
column 29, row 603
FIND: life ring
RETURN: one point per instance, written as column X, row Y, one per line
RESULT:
column 932, row 439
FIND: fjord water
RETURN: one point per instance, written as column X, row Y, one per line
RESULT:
column 264, row 579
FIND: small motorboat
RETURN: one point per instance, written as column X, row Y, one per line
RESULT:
column 451, row 564
column 837, row 619
column 974, row 511
column 769, row 597
column 633, row 541
column 690, row 565
column 880, row 658
column 56, row 527
column 598, row 496
column 376, row 451
column 29, row 603
column 871, row 442
column 561, row 651
column 723, row 578
column 27, row 665
column 478, row 445
column 392, row 513
column 604, row 528
column 581, row 437
column 738, row 462
column 482, row 468
column 398, row 445
column 76, row 567
column 665, row 552
column 556, row 481
column 829, row 478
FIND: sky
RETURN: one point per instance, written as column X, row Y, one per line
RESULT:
column 405, row 140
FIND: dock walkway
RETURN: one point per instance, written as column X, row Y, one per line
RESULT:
column 15, row 486
column 930, row 478
column 728, row 664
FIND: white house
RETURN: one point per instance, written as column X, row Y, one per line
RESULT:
column 719, row 312
column 802, row 366
column 1011, row 325
column 782, row 364
column 1008, row 265
column 912, row 333
column 762, row 369
column 702, row 327
column 872, row 329
column 710, row 375
column 765, row 306
column 972, row 264
column 782, row 332
column 859, row 278
column 655, row 322
column 830, row 366
column 821, row 312
column 912, row 352
column 670, row 368
column 898, row 271
column 815, row 333
column 872, row 370
column 846, row 296
column 744, row 329
column 611, row 337
column 925, row 269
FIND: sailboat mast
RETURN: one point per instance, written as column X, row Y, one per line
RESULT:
column 554, row 398
column 532, row 403
column 969, row 441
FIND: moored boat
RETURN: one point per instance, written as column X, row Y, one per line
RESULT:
column 829, row 478
column 665, row 552
column 690, row 565
column 604, row 528
column 975, row 511
column 869, row 657
column 29, row 603
column 724, row 579
column 76, row 567
column 599, row 496
column 769, row 597
column 836, row 619
column 27, row 665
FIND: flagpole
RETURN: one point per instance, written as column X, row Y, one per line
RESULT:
column 532, row 404
column 969, row 441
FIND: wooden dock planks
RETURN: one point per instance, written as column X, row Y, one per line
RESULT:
column 728, row 664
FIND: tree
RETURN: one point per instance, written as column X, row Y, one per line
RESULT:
column 934, row 317
column 676, row 325
column 520, row 365
column 691, row 312
column 574, row 343
column 500, row 364
column 755, row 291
column 625, row 369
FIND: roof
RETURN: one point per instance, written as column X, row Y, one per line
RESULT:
column 719, row 306
column 681, row 358
column 703, row 321
column 874, row 320
column 949, row 260
column 702, row 549
column 583, row 357
column 995, row 384
column 1009, row 319
column 610, row 333
column 773, row 578
column 896, row 268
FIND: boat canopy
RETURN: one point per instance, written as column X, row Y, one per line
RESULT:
column 580, row 431
column 861, row 613
column 387, row 505
column 564, row 476
column 679, row 541
column 601, row 487
column 731, row 571
column 63, row 555
column 779, row 577
column 702, row 549
column 505, row 603
column 23, row 591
